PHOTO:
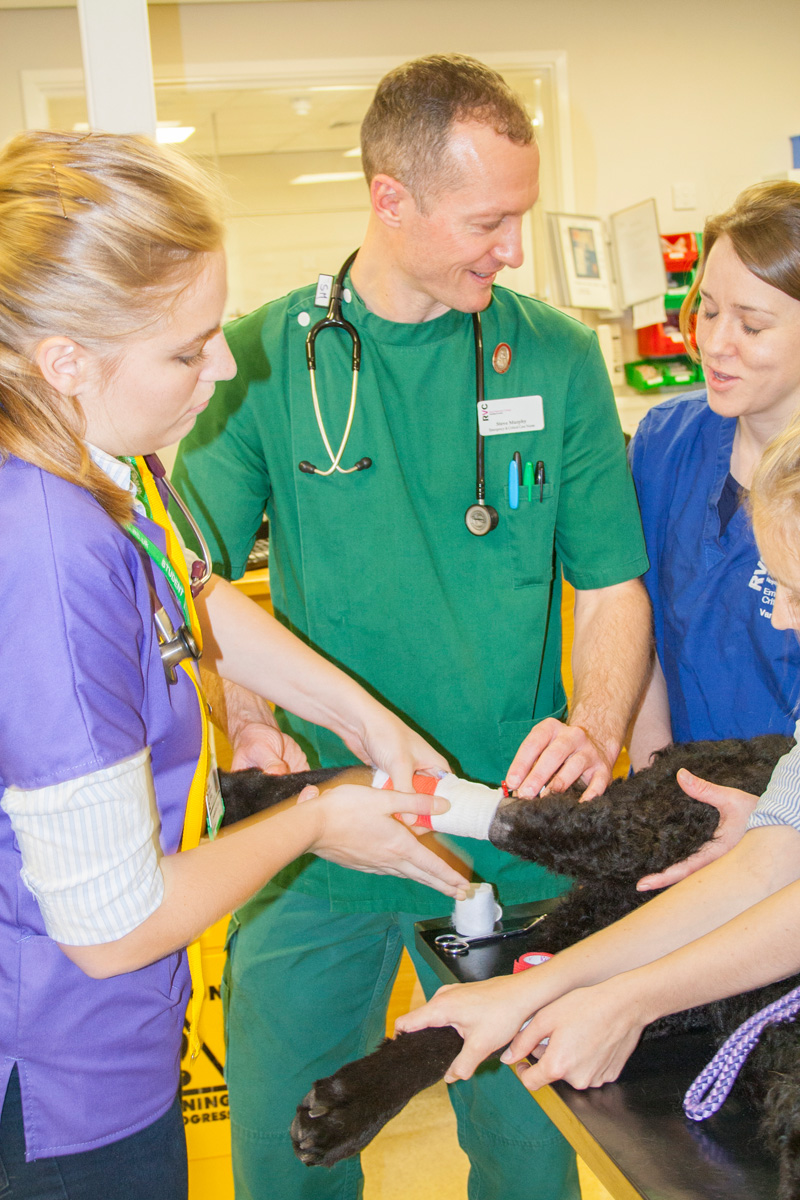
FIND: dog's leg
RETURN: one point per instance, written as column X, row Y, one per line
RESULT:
column 246, row 793
column 641, row 824
column 342, row 1114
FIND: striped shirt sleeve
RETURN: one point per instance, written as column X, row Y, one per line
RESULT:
column 90, row 851
column 780, row 804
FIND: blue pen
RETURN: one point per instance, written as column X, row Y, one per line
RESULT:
column 513, row 484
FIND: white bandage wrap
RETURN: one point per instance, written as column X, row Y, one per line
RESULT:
column 472, row 806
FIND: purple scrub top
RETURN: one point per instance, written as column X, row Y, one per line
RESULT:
column 82, row 687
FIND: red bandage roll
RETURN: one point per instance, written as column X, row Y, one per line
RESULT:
column 534, row 959
column 425, row 785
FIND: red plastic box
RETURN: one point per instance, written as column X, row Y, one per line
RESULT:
column 680, row 251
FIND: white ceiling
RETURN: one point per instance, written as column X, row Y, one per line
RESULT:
column 73, row 3
column 251, row 120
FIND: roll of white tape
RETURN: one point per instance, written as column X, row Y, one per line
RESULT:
column 476, row 915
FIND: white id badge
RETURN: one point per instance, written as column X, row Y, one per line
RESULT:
column 323, row 293
column 215, row 805
column 516, row 414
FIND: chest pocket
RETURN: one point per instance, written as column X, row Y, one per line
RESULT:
column 530, row 537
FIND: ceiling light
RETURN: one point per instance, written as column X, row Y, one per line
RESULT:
column 169, row 132
column 343, row 87
column 354, row 153
column 329, row 177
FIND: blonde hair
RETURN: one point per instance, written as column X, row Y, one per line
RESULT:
column 98, row 234
column 775, row 491
column 763, row 224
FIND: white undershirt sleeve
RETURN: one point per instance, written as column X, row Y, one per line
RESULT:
column 90, row 851
column 780, row 804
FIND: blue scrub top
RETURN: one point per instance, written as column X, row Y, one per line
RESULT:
column 729, row 673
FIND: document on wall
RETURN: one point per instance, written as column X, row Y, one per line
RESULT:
column 649, row 312
column 637, row 248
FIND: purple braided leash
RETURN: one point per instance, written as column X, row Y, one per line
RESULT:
column 710, row 1090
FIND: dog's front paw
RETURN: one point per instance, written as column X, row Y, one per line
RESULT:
column 333, row 1122
column 342, row 1114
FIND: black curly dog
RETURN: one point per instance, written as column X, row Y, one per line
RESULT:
column 640, row 825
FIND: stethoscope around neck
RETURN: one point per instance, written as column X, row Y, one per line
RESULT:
column 480, row 518
column 174, row 644
column 333, row 319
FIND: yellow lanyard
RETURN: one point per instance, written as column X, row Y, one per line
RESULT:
column 194, row 821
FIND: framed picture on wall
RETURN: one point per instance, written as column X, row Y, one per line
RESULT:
column 582, row 271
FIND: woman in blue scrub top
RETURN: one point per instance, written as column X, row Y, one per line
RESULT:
column 721, row 669
column 112, row 287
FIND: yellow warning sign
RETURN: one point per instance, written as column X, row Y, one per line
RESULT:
column 204, row 1092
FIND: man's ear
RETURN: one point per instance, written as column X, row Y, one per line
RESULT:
column 63, row 363
column 390, row 199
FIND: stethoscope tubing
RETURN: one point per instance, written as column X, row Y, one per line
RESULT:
column 480, row 517
column 334, row 319
column 159, row 471
column 480, row 473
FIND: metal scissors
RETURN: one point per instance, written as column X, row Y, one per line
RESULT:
column 458, row 944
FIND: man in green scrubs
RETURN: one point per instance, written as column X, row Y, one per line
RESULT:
column 460, row 634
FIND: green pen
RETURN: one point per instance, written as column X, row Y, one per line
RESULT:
column 528, row 480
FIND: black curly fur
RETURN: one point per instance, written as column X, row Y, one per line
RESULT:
column 641, row 825
column 251, row 791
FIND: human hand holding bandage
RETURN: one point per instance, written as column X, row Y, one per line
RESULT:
column 472, row 805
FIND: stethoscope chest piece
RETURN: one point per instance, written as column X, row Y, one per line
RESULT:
column 481, row 519
column 174, row 645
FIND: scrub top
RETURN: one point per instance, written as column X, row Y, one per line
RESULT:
column 83, row 688
column 729, row 673
column 458, row 634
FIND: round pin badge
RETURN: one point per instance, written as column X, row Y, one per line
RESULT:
column 501, row 359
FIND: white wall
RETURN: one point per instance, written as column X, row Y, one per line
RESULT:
column 32, row 40
column 699, row 91
column 705, row 92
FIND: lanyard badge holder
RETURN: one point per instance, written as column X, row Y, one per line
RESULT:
column 204, row 798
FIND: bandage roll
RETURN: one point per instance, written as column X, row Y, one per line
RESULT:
column 472, row 805
column 476, row 915
column 534, row 959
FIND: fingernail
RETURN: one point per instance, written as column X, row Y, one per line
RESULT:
column 440, row 804
column 506, row 1057
column 525, row 793
column 513, row 781
column 643, row 887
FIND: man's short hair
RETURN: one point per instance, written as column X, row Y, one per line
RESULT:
column 406, row 130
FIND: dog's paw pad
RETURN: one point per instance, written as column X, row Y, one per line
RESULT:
column 330, row 1126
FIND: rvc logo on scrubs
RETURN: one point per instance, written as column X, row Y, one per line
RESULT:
column 761, row 581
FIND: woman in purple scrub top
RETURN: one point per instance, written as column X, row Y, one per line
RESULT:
column 112, row 288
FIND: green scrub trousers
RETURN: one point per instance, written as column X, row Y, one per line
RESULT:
column 273, row 1005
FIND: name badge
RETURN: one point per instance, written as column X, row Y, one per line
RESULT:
column 323, row 293
column 215, row 805
column 516, row 414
